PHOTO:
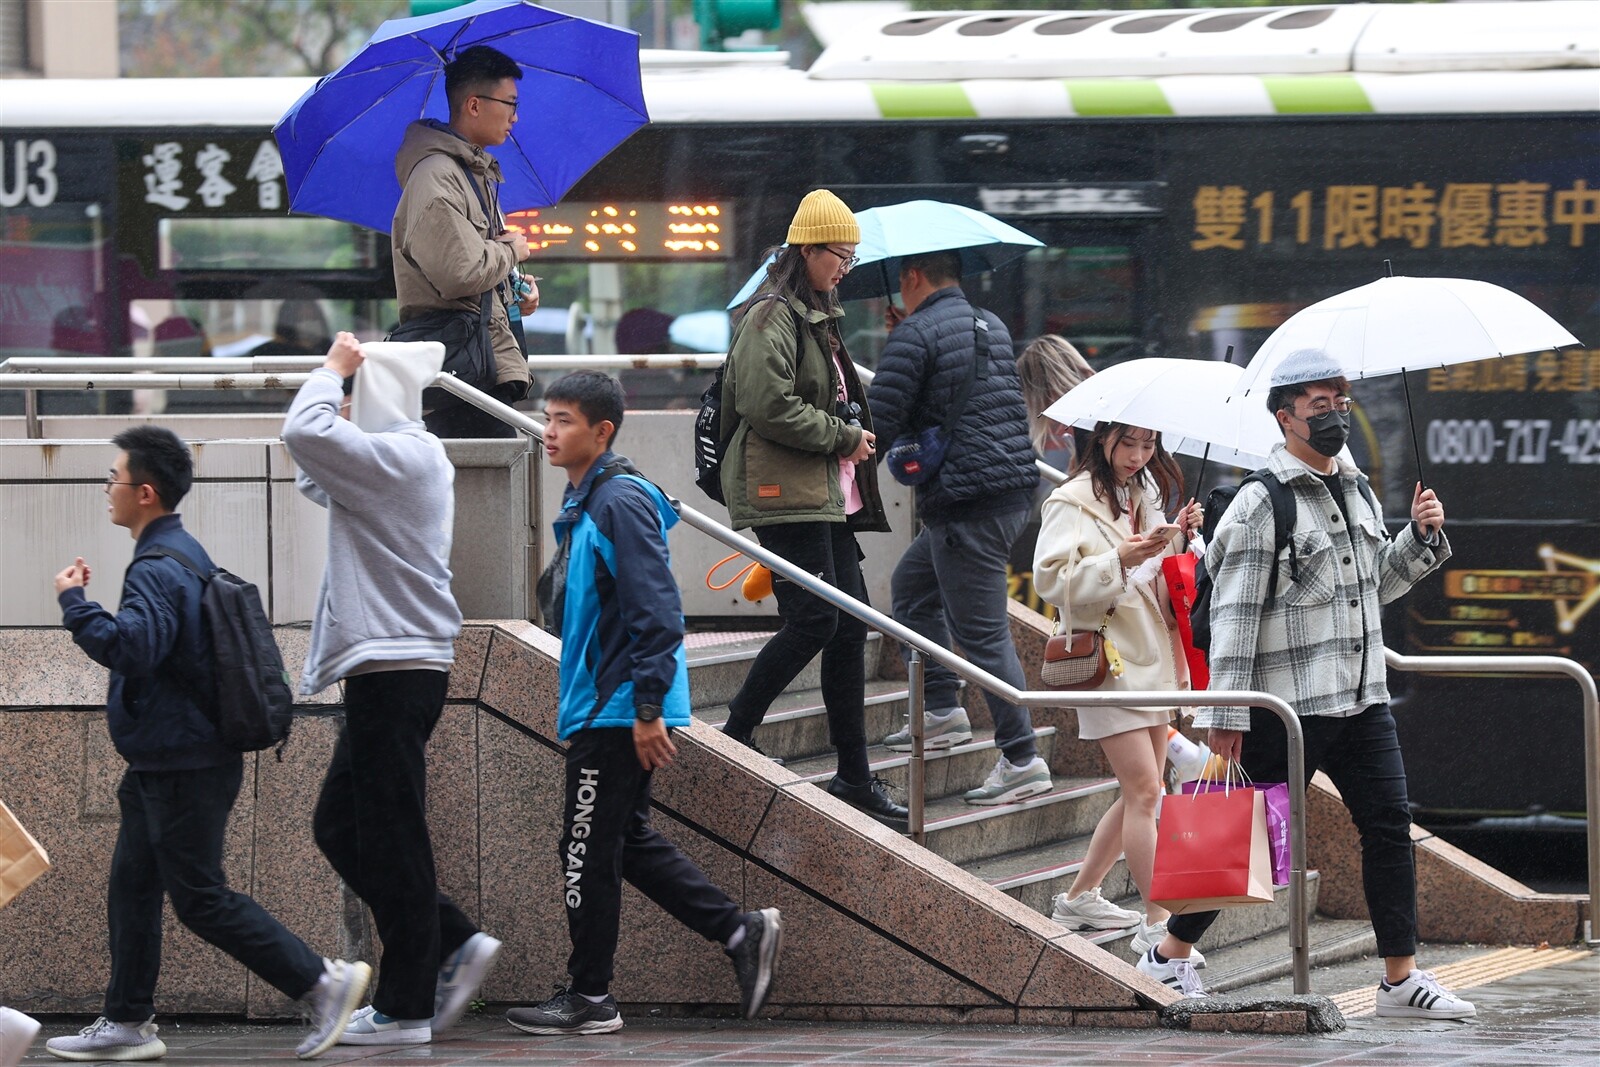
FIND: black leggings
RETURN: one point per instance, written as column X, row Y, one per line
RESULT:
column 811, row 625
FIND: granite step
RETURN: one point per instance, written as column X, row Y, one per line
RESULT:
column 948, row 771
column 716, row 671
column 1035, row 876
column 963, row 833
column 1264, row 961
column 796, row 725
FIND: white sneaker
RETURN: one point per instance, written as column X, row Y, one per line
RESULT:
column 1150, row 935
column 1091, row 911
column 333, row 999
column 17, row 1032
column 369, row 1026
column 1421, row 996
column 460, row 978
column 106, row 1040
column 944, row 728
column 1007, row 784
column 1175, row 974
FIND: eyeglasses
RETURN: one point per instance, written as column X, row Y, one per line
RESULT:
column 111, row 479
column 1319, row 408
column 847, row 260
column 512, row 104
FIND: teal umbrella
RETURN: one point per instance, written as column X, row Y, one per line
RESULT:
column 889, row 234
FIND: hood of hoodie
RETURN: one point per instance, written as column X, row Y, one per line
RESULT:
column 389, row 384
column 427, row 137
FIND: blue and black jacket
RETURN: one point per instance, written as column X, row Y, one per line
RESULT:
column 158, row 652
column 622, row 623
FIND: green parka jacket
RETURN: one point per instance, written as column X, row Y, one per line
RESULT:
column 782, row 463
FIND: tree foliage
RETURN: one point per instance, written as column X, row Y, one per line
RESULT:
column 238, row 38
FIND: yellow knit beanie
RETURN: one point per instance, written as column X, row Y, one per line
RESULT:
column 823, row 219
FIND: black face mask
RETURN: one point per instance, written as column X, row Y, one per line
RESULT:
column 1329, row 432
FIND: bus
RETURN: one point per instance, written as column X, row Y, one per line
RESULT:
column 1195, row 175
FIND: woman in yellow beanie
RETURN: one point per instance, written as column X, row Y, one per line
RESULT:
column 799, row 470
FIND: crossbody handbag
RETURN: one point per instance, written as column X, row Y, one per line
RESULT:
column 468, row 347
column 1081, row 659
column 915, row 457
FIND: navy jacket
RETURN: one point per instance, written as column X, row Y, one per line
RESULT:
column 988, row 466
column 622, row 625
column 159, row 655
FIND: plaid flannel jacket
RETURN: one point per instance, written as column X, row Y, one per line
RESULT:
column 1316, row 643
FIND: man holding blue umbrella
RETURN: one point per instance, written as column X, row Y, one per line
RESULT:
column 450, row 244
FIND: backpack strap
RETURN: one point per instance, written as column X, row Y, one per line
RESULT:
column 1284, row 513
column 196, row 693
column 156, row 551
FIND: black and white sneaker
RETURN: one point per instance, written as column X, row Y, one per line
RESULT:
column 568, row 1013
column 756, row 957
column 1420, row 996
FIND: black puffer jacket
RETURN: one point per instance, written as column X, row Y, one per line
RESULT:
column 989, row 466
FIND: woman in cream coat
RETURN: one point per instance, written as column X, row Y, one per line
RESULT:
column 1100, row 547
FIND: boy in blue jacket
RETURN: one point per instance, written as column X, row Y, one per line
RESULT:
column 609, row 593
column 181, row 781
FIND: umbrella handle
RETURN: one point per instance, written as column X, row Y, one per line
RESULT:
column 1411, row 421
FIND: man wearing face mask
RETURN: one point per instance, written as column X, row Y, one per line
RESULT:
column 1317, row 642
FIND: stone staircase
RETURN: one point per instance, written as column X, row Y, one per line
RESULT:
column 1029, row 850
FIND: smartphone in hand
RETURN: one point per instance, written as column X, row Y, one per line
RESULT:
column 1167, row 531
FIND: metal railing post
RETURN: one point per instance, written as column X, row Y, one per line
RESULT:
column 917, row 779
column 1543, row 665
column 30, row 413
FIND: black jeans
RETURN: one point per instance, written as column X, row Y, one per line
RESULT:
column 811, row 625
column 372, row 824
column 170, row 842
column 1361, row 754
column 607, row 837
column 462, row 419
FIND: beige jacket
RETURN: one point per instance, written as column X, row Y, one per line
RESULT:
column 445, row 254
column 1075, row 567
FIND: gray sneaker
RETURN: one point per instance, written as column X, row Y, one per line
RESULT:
column 1091, row 911
column 105, row 1040
column 756, row 958
column 369, row 1026
column 332, row 1001
column 940, row 729
column 1007, row 784
column 460, row 978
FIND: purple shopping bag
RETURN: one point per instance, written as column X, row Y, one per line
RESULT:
column 1276, row 797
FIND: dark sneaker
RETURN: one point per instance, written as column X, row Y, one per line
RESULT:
column 460, row 978
column 750, row 743
column 332, row 1000
column 568, row 1013
column 873, row 799
column 755, row 958
column 105, row 1040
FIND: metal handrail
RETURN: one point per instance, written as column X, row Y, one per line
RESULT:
column 1548, row 666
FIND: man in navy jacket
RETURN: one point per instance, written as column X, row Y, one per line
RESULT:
column 181, row 781
column 610, row 594
column 952, row 579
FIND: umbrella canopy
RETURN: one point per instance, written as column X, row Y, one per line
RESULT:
column 580, row 93
column 1190, row 401
column 1398, row 324
column 889, row 234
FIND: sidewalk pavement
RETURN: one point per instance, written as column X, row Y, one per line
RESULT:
column 1542, row 1017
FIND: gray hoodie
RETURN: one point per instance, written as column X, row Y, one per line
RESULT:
column 385, row 601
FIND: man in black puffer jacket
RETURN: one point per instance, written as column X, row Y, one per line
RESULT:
column 952, row 580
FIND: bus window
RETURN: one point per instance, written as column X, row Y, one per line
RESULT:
column 1087, row 294
column 255, row 244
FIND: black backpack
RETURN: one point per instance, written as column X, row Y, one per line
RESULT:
column 1284, row 513
column 253, row 703
column 711, row 438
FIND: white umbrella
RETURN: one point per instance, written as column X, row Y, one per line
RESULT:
column 1394, row 325
column 1190, row 401
column 1398, row 324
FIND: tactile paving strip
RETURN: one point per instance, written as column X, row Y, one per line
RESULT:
column 1464, row 974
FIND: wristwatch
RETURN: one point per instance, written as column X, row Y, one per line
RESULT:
column 647, row 712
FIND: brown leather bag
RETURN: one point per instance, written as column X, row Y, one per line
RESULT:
column 1077, row 660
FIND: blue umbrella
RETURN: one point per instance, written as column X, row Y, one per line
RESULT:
column 580, row 93
column 889, row 234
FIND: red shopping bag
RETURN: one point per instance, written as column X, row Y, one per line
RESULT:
column 1211, row 852
column 1276, row 797
column 1179, row 574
